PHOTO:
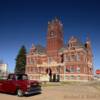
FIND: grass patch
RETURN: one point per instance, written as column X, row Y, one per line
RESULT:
column 51, row 84
column 70, row 83
column 47, row 84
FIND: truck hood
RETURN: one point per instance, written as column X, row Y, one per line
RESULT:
column 33, row 82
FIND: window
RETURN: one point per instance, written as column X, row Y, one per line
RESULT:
column 73, row 58
column 31, row 61
column 35, row 70
column 67, row 70
column 21, row 77
column 49, row 60
column 70, row 44
column 52, row 34
column 73, row 48
column 28, row 60
column 78, row 77
column 78, row 69
column 66, row 77
column 78, row 57
column 72, row 69
column 66, row 58
column 31, row 69
column 72, row 77
column 11, row 77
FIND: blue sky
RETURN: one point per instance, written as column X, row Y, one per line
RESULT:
column 23, row 22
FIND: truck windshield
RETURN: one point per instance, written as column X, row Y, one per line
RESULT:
column 21, row 77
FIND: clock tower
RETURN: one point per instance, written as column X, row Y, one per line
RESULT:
column 54, row 37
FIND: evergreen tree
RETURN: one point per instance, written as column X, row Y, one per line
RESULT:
column 21, row 60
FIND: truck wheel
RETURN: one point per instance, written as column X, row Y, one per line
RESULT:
column 19, row 93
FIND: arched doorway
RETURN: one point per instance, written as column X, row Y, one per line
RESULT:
column 49, row 72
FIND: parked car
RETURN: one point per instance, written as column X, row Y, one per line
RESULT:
column 19, row 84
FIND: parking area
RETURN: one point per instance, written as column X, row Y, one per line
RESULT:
column 68, row 91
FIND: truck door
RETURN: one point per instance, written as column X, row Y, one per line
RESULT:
column 10, row 84
column 1, row 85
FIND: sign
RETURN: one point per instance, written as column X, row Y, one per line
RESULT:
column 44, row 77
column 98, row 71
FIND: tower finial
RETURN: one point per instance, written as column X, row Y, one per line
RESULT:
column 56, row 18
column 88, row 36
column 48, row 22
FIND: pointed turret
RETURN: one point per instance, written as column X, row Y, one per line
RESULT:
column 32, row 50
column 88, row 43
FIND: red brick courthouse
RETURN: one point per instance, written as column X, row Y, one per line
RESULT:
column 67, row 62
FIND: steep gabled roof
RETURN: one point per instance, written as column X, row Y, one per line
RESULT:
column 72, row 43
column 40, row 49
column 75, row 42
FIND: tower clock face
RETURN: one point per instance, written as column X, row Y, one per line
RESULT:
column 51, row 34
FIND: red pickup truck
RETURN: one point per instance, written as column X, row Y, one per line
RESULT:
column 19, row 84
